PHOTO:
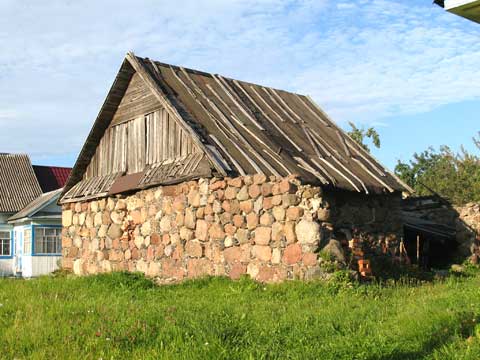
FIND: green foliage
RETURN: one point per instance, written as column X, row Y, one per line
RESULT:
column 124, row 316
column 360, row 135
column 455, row 176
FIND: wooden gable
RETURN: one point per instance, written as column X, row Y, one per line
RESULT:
column 142, row 137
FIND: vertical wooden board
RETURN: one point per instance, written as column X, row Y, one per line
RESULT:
column 178, row 137
column 140, row 123
column 172, row 138
column 164, row 135
column 147, row 135
column 169, row 137
column 136, row 145
column 151, row 141
column 159, row 135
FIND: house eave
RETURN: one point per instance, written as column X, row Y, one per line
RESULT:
column 468, row 9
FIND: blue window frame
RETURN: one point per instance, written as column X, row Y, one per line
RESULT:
column 47, row 240
column 6, row 248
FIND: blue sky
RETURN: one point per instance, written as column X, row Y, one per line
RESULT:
column 406, row 67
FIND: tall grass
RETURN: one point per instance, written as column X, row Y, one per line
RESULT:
column 123, row 316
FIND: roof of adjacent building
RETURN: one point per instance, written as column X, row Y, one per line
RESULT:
column 35, row 207
column 469, row 9
column 18, row 184
column 245, row 128
column 51, row 177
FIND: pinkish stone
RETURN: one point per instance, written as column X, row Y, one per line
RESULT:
column 263, row 235
column 292, row 254
column 262, row 252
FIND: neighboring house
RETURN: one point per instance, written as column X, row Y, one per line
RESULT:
column 469, row 9
column 30, row 222
column 187, row 173
column 51, row 177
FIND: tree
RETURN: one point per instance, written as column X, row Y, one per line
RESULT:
column 455, row 176
column 477, row 141
column 361, row 134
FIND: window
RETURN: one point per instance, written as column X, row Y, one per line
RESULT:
column 27, row 241
column 5, row 242
column 48, row 240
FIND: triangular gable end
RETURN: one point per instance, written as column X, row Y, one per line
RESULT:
column 39, row 205
column 138, row 132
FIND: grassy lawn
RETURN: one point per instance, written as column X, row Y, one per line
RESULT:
column 124, row 316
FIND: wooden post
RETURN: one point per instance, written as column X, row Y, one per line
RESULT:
column 401, row 250
column 418, row 250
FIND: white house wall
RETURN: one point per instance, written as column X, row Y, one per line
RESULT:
column 32, row 265
column 39, row 265
column 6, row 267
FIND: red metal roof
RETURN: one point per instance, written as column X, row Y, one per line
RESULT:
column 51, row 177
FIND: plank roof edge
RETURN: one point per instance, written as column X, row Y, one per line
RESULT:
column 81, row 163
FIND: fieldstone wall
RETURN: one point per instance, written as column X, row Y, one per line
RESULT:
column 269, row 228
column 468, row 230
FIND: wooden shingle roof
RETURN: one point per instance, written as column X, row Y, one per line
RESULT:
column 18, row 184
column 254, row 129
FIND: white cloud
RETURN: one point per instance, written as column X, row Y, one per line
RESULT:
column 362, row 64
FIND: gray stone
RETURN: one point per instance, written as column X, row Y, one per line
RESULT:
column 77, row 267
column 117, row 217
column 139, row 241
column 94, row 206
column 190, row 219
column 97, row 220
column 308, row 232
column 77, row 242
column 258, row 205
column 102, row 231
column 146, row 228
column 165, row 224
column 114, row 231
column 335, row 250
column 243, row 194
column 168, row 250
column 67, row 218
column 228, row 241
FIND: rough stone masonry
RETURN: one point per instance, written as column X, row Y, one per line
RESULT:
column 269, row 228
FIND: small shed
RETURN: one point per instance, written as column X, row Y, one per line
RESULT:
column 213, row 165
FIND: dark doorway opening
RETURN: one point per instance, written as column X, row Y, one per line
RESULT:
column 429, row 247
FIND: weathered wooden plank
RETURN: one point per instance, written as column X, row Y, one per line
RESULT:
column 138, row 100
column 266, row 116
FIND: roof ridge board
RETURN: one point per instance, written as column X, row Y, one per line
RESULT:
column 263, row 86
column 179, row 67
column 213, row 74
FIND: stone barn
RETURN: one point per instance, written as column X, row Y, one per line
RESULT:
column 186, row 174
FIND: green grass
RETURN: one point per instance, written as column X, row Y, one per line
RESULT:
column 123, row 316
